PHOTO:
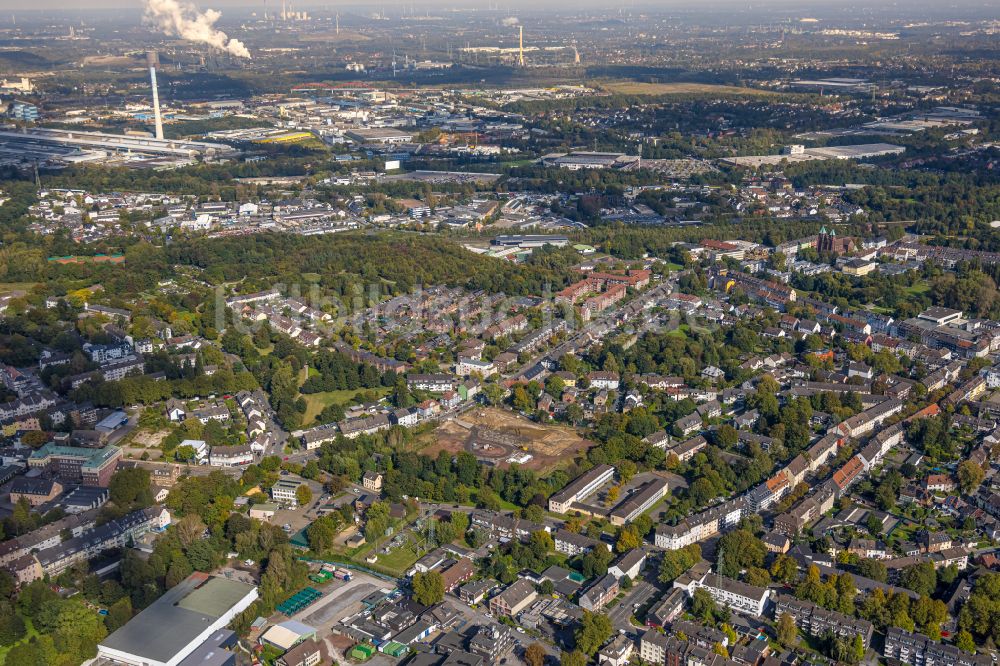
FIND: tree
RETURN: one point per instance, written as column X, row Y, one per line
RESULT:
column 118, row 614
column 703, row 606
column 35, row 438
column 758, row 576
column 303, row 495
column 574, row 658
column 534, row 655
column 965, row 641
column 784, row 568
column 428, row 588
column 129, row 489
column 874, row 569
column 787, row 631
column 739, row 550
column 12, row 627
column 184, row 453
column 612, row 495
column 726, row 437
column 628, row 539
column 857, row 652
column 494, row 393
column 970, row 475
column 321, row 534
column 921, row 578
column 521, row 400
column 676, row 562
column 594, row 631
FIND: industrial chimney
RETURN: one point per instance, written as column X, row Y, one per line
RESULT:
column 520, row 46
column 153, row 60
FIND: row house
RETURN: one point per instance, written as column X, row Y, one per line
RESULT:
column 700, row 526
column 433, row 383
column 230, row 456
column 806, row 512
column 364, row 425
column 733, row 594
column 111, row 535
column 817, row 621
column 502, row 526
column 864, row 422
column 919, row 650
column 505, row 327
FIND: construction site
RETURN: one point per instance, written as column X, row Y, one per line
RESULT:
column 500, row 438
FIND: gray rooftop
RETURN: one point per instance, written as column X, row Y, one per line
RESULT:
column 186, row 610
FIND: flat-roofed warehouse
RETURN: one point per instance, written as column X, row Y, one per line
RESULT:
column 379, row 135
column 178, row 623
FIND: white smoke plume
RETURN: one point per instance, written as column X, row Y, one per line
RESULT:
column 182, row 19
column 510, row 21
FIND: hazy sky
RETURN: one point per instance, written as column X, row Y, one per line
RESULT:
column 989, row 7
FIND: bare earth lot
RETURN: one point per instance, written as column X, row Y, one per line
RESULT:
column 498, row 434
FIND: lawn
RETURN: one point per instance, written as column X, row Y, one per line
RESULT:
column 397, row 562
column 918, row 288
column 9, row 287
column 317, row 402
column 681, row 331
column 32, row 632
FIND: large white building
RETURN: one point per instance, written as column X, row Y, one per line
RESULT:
column 700, row 526
column 581, row 487
column 734, row 594
column 178, row 623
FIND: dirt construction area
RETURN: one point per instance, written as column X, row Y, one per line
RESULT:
column 147, row 439
column 503, row 438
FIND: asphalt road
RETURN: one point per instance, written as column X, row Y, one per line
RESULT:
column 642, row 591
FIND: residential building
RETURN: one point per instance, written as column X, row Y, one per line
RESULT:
column 628, row 564
column 493, row 643
column 230, row 456
column 372, row 481
column 734, row 594
column 306, row 653
column 919, row 650
column 600, row 594
column 514, row 599
column 571, row 543
column 700, row 526
column 818, row 621
column 35, row 490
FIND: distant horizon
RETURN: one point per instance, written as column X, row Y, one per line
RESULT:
column 395, row 7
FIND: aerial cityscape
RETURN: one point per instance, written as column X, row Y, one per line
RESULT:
column 485, row 333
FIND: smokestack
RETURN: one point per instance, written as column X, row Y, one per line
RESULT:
column 520, row 47
column 153, row 59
